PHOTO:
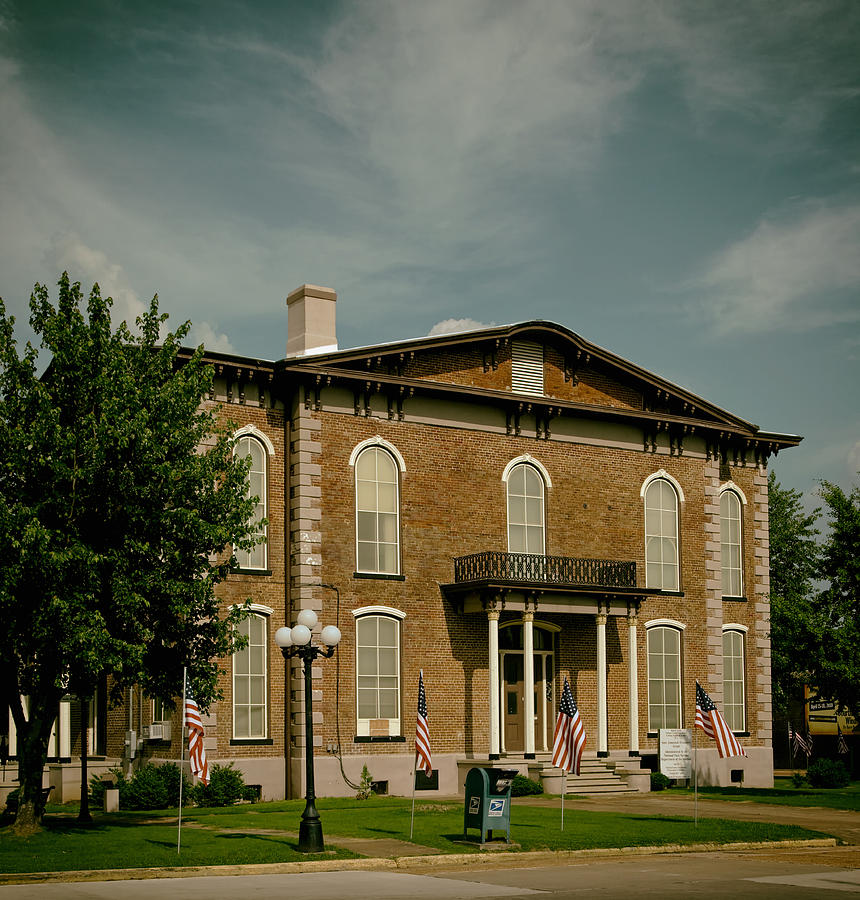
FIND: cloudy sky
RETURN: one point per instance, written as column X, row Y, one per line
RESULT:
column 678, row 182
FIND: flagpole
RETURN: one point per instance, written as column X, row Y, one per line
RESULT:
column 181, row 758
column 563, row 792
column 695, row 777
column 412, row 820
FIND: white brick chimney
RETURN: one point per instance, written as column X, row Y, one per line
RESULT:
column 310, row 320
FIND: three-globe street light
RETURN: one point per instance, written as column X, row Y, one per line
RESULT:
column 296, row 641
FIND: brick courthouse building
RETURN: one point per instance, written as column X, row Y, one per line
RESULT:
column 501, row 508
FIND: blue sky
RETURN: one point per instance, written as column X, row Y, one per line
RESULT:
column 677, row 182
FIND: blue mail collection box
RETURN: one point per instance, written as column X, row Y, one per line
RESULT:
column 488, row 801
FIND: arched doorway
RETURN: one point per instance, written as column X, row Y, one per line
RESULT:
column 512, row 686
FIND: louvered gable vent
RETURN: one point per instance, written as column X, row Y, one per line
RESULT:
column 527, row 367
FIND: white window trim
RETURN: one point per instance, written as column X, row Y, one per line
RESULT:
column 251, row 431
column 743, row 630
column 530, row 460
column 731, row 488
column 679, row 627
column 546, row 626
column 362, row 726
column 264, row 613
column 379, row 611
column 662, row 474
column 377, row 442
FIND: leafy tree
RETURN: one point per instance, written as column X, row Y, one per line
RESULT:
column 836, row 674
column 793, row 614
column 120, row 500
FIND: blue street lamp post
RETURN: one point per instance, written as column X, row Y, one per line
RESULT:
column 296, row 641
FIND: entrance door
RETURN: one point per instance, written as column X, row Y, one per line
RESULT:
column 513, row 702
column 513, row 689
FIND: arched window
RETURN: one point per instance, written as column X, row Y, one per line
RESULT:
column 377, row 511
column 731, row 529
column 248, row 445
column 377, row 671
column 664, row 675
column 734, row 693
column 525, row 509
column 251, row 680
column 661, row 534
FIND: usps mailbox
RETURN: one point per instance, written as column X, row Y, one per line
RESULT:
column 488, row 801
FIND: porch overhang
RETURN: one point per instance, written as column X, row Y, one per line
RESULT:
column 473, row 596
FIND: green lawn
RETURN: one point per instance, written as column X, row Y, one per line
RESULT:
column 145, row 839
column 782, row 794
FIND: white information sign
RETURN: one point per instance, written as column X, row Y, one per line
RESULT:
column 676, row 752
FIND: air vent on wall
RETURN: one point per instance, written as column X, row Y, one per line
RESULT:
column 527, row 367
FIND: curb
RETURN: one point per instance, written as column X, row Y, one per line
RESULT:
column 451, row 860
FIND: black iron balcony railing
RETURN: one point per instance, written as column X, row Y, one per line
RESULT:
column 557, row 570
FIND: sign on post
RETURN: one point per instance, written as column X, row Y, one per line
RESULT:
column 676, row 752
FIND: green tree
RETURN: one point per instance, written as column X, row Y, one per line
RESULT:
column 836, row 674
column 120, row 501
column 794, row 626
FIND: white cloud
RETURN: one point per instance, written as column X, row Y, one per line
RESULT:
column 450, row 326
column 204, row 333
column 788, row 275
column 69, row 253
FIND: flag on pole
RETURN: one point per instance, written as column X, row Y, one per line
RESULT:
column 798, row 741
column 808, row 741
column 196, row 750
column 422, row 731
column 568, row 742
column 841, row 743
column 709, row 719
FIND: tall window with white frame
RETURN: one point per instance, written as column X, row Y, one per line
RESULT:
column 664, row 677
column 249, row 446
column 251, row 681
column 378, row 675
column 377, row 512
column 661, row 536
column 525, row 510
column 734, row 701
column 730, row 544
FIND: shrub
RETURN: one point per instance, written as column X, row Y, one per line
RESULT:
column 145, row 790
column 365, row 786
column 226, row 786
column 98, row 785
column 523, row 787
column 798, row 779
column 659, row 782
column 827, row 773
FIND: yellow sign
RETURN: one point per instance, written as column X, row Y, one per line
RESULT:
column 822, row 716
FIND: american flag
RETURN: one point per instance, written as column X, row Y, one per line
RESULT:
column 568, row 742
column 841, row 743
column 798, row 741
column 196, row 751
column 809, row 741
column 709, row 719
column 422, row 731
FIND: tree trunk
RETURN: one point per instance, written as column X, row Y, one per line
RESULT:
column 33, row 735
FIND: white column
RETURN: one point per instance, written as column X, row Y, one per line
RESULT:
column 493, row 686
column 529, row 666
column 602, row 740
column 633, row 682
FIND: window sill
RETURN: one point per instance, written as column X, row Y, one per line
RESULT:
column 741, row 733
column 251, row 742
column 250, row 571
column 658, row 592
column 379, row 739
column 379, row 576
column 734, row 599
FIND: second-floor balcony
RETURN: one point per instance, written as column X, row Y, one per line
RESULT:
column 513, row 575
